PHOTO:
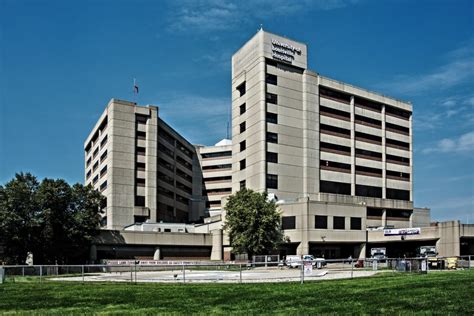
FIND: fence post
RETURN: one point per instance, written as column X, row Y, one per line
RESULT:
column 41, row 273
column 352, row 268
column 469, row 264
column 131, row 273
column 135, row 271
column 82, row 274
column 240, row 273
column 23, row 271
column 302, row 271
column 184, row 274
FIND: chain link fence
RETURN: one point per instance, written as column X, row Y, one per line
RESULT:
column 270, row 270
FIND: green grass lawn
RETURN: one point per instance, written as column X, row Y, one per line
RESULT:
column 437, row 292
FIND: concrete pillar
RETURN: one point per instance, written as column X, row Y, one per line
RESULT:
column 384, row 164
column 384, row 217
column 448, row 244
column 157, row 254
column 303, row 248
column 93, row 254
column 353, row 159
column 216, row 252
column 362, row 251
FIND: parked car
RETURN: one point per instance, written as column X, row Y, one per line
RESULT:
column 293, row 261
column 318, row 262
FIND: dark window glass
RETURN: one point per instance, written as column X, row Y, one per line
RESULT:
column 399, row 214
column 272, row 118
column 103, row 171
column 271, row 79
column 218, row 154
column 217, row 179
column 165, row 164
column 368, row 104
column 242, row 164
column 140, row 182
column 165, row 178
column 368, row 171
column 368, row 138
column 141, row 135
column 288, row 222
column 374, row 212
column 397, row 144
column 243, row 127
column 339, row 222
column 166, row 136
column 320, row 222
column 272, row 137
column 224, row 166
column 397, row 128
column 184, row 163
column 184, row 175
column 184, row 150
column 104, row 141
column 272, row 157
column 397, row 112
column 139, row 200
column 103, row 156
column 398, row 175
column 164, row 191
column 182, row 199
column 218, row 191
column 369, row 191
column 333, row 130
column 356, row 223
column 271, row 98
column 396, row 194
column 272, row 181
column 362, row 153
column 397, row 159
column 335, row 187
column 363, row 120
column 141, row 150
column 163, row 149
column 243, row 108
column 329, row 147
column 96, row 151
column 335, row 95
column 243, row 145
column 103, row 186
column 241, row 88
column 141, row 118
column 242, row 184
column 141, row 166
column 334, row 166
column 334, row 113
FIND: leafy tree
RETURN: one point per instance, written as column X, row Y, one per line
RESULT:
column 53, row 220
column 253, row 223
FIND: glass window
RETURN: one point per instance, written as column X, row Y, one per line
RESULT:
column 321, row 222
column 272, row 137
column 288, row 222
column 272, row 118
column 272, row 157
column 356, row 223
column 272, row 181
column 339, row 222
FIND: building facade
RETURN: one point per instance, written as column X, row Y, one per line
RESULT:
column 145, row 169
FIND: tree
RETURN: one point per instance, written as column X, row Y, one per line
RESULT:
column 253, row 223
column 53, row 220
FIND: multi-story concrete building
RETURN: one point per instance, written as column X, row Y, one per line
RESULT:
column 144, row 168
column 345, row 151
column 216, row 165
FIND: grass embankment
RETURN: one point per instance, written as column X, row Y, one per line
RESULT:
column 440, row 293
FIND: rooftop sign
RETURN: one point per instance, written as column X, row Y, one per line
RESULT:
column 401, row 232
column 284, row 51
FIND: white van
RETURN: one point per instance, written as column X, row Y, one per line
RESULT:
column 293, row 261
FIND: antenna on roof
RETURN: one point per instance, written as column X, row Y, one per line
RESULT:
column 261, row 27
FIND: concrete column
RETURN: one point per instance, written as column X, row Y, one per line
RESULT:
column 384, row 164
column 353, row 159
column 411, row 156
column 448, row 244
column 384, row 216
column 362, row 251
column 216, row 253
column 303, row 248
column 157, row 254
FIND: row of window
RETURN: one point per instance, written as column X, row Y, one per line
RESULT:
column 362, row 170
column 321, row 222
column 100, row 130
column 362, row 153
column 362, row 190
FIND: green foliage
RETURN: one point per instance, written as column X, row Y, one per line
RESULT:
column 51, row 219
column 437, row 293
column 253, row 223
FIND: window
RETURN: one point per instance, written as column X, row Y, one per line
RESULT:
column 165, row 178
column 335, row 187
column 103, row 156
column 272, row 137
column 367, row 104
column 165, row 164
column 164, row 191
column 272, row 118
column 271, row 79
column 397, row 128
column 363, row 120
column 184, row 187
column 216, row 155
column 217, row 167
column 184, row 175
column 217, row 191
column 88, row 162
column 343, row 115
column 88, row 174
column 272, row 157
column 166, row 136
column 96, row 151
column 242, row 164
column 333, row 130
column 288, row 222
column 399, row 214
column 271, row 98
column 335, row 95
column 243, row 108
column 217, row 179
column 243, row 127
column 241, row 89
column 243, row 145
column 374, row 213
column 272, row 181
column 141, row 166
column 104, row 141
column 141, row 118
column 396, row 194
column 182, row 199
column 184, row 163
column 140, row 182
column 103, row 171
column 163, row 149
column 320, row 222
column 367, row 154
column 397, row 160
column 335, row 166
column 96, row 165
column 141, row 135
column 141, row 151
column 333, row 148
column 356, row 223
column 184, row 150
column 339, row 222
column 397, row 144
column 397, row 112
column 369, row 191
column 396, row 175
column 368, row 171
column 103, row 186
column 368, row 138
column 242, row 184
column 96, row 178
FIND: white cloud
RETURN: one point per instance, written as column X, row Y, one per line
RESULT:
column 458, row 69
column 463, row 143
column 220, row 15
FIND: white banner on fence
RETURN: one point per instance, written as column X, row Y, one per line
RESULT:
column 401, row 231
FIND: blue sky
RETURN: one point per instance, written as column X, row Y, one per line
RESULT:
column 61, row 62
